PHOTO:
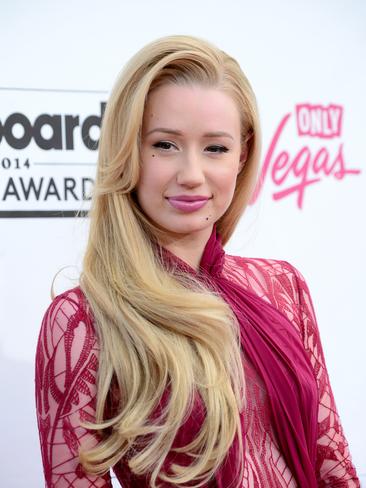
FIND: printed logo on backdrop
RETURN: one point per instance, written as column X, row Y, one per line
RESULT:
column 49, row 141
column 48, row 151
column 306, row 149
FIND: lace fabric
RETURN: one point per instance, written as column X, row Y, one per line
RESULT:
column 281, row 285
column 66, row 366
column 67, row 362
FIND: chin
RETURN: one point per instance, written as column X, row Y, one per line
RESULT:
column 190, row 228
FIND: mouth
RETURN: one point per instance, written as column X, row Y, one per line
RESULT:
column 189, row 198
column 188, row 203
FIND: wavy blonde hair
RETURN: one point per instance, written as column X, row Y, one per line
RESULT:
column 159, row 329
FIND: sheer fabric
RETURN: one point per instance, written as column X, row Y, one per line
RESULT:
column 67, row 362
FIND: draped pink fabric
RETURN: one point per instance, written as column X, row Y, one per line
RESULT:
column 292, row 433
column 275, row 349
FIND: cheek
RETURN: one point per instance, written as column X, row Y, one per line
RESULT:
column 227, row 182
column 154, row 178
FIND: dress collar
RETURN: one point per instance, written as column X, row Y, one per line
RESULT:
column 212, row 259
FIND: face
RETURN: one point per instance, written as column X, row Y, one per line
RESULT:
column 191, row 155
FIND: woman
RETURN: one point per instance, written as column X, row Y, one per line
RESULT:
column 172, row 362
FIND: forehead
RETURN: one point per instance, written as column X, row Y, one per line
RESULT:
column 189, row 106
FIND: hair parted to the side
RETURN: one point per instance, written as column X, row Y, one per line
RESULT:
column 150, row 322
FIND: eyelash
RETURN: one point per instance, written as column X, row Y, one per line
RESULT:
column 218, row 149
column 161, row 144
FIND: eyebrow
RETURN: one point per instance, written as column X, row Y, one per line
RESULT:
column 179, row 133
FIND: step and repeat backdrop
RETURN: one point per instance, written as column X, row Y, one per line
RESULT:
column 305, row 60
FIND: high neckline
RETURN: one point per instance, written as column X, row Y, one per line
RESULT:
column 213, row 256
column 272, row 344
column 211, row 262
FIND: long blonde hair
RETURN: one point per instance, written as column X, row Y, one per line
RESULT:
column 157, row 328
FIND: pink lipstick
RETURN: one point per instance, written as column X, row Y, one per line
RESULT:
column 187, row 203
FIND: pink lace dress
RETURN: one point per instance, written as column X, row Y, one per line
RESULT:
column 67, row 363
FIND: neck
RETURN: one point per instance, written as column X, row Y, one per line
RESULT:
column 189, row 247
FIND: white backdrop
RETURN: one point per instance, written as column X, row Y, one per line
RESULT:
column 60, row 59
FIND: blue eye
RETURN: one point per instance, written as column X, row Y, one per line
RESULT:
column 217, row 149
column 163, row 145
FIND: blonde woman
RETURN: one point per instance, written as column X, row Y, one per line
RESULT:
column 174, row 363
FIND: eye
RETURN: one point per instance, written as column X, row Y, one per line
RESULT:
column 165, row 145
column 217, row 149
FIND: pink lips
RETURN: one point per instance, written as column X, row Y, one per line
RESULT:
column 188, row 203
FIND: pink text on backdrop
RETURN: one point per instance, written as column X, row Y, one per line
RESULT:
column 318, row 120
column 309, row 165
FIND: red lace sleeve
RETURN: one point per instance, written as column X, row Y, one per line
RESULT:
column 334, row 464
column 66, row 366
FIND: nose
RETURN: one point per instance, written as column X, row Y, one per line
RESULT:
column 190, row 172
